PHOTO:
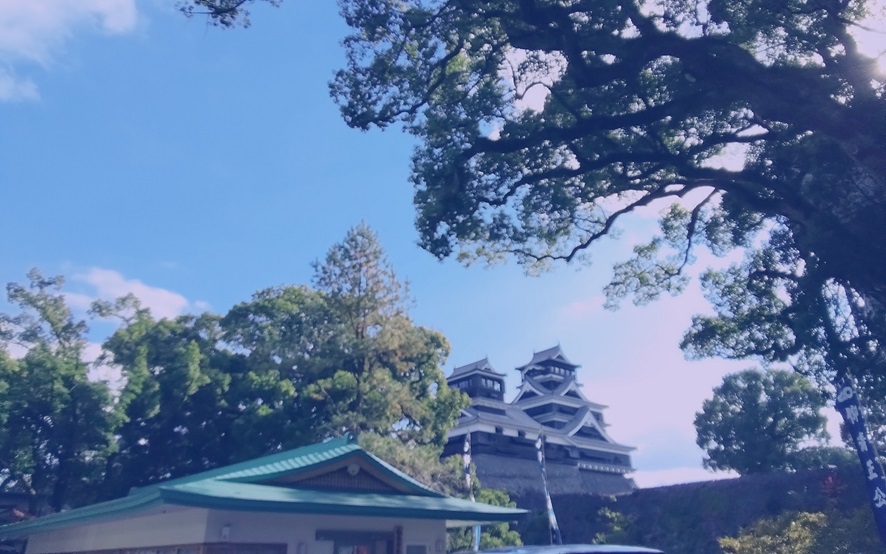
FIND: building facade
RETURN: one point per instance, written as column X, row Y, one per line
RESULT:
column 328, row 498
column 580, row 455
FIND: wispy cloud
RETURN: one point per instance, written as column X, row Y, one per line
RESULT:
column 16, row 89
column 98, row 283
column 34, row 32
column 108, row 284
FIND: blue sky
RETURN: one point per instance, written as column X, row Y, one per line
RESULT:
column 143, row 152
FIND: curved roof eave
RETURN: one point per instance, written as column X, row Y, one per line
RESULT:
column 260, row 498
column 111, row 509
column 554, row 353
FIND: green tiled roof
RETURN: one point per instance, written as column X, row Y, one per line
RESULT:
column 244, row 487
column 267, row 467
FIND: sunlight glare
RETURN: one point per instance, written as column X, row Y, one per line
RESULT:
column 871, row 34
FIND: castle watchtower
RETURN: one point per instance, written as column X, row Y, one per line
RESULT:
column 478, row 380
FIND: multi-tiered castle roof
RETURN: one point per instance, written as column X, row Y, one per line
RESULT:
column 580, row 453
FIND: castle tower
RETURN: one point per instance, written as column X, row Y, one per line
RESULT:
column 580, row 454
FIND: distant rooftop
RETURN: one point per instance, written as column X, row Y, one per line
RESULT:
column 555, row 353
column 480, row 365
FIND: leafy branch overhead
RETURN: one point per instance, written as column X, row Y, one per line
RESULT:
column 634, row 106
column 223, row 13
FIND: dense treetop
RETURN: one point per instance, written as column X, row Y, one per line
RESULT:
column 640, row 101
column 294, row 365
column 758, row 422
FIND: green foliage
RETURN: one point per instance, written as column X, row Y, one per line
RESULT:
column 807, row 533
column 420, row 461
column 423, row 463
column 178, row 413
column 223, row 13
column 824, row 456
column 492, row 536
column 785, row 534
column 757, row 422
column 273, row 340
column 277, row 330
column 638, row 104
column 619, row 528
column 376, row 371
column 293, row 366
column 57, row 424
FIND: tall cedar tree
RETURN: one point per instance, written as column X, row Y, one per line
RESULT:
column 376, row 371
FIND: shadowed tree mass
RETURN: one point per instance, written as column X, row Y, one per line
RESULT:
column 758, row 422
column 641, row 102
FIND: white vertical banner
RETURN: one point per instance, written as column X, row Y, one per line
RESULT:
column 552, row 517
column 466, row 462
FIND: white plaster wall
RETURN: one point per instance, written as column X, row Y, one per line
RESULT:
column 194, row 526
column 300, row 529
column 171, row 525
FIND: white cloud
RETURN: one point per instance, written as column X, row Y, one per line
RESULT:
column 108, row 284
column 33, row 31
column 16, row 89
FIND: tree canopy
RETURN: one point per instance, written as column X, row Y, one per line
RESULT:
column 806, row 533
column 641, row 103
column 55, row 426
column 294, row 365
column 376, row 370
column 757, row 422
column 541, row 124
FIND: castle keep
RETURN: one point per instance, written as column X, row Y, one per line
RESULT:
column 581, row 456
